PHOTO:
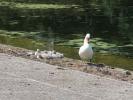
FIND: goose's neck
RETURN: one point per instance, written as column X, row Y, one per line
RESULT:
column 86, row 41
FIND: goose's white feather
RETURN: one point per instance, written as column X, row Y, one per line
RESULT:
column 86, row 52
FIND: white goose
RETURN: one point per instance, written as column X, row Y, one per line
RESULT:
column 85, row 51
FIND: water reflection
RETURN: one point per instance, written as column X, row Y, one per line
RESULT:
column 50, row 42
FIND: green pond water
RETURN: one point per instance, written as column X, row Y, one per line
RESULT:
column 62, row 25
column 71, row 52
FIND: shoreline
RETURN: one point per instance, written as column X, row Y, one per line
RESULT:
column 96, row 69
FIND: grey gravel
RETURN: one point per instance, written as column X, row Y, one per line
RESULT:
column 24, row 79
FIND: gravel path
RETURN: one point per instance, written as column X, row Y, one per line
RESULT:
column 23, row 79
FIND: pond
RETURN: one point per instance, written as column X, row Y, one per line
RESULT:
column 63, row 27
column 68, row 51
